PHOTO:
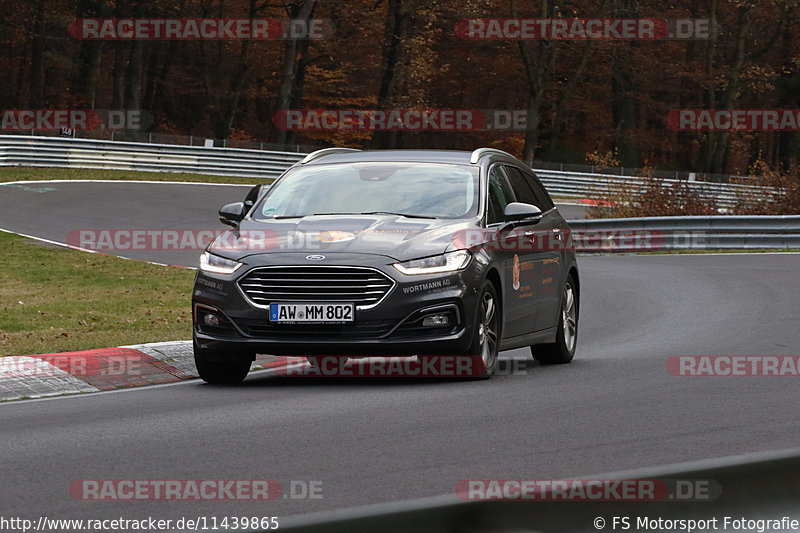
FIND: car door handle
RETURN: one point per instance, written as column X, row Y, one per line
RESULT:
column 557, row 234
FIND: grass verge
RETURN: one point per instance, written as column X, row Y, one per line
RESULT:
column 54, row 299
column 35, row 173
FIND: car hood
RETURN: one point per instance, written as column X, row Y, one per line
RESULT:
column 395, row 237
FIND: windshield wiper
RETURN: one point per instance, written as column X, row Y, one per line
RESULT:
column 278, row 217
column 406, row 215
column 311, row 215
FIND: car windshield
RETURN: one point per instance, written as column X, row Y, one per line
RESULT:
column 411, row 189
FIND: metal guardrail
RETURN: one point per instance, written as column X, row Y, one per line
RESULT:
column 759, row 485
column 728, row 232
column 686, row 175
column 149, row 137
column 589, row 185
column 115, row 155
column 64, row 152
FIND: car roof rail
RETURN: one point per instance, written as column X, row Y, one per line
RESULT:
column 480, row 152
column 326, row 151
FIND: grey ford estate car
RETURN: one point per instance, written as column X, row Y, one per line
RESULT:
column 388, row 253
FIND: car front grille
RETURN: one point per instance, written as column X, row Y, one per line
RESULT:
column 360, row 285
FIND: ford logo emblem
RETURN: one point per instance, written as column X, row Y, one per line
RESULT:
column 315, row 257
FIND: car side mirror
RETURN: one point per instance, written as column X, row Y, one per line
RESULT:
column 517, row 211
column 232, row 214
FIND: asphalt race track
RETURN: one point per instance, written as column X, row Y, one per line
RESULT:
column 614, row 408
column 54, row 209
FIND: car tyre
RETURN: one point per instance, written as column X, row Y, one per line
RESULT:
column 563, row 350
column 214, row 367
column 486, row 339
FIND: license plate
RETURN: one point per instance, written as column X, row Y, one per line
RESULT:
column 312, row 313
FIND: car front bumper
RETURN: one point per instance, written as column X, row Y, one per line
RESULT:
column 391, row 327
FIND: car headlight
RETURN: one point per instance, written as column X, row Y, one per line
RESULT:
column 449, row 262
column 217, row 265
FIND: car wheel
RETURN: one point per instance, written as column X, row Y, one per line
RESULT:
column 563, row 350
column 214, row 367
column 486, row 340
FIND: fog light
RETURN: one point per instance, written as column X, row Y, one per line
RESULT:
column 210, row 320
column 434, row 321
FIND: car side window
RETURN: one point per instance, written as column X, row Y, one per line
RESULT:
column 500, row 195
column 252, row 197
column 522, row 189
column 522, row 181
column 541, row 193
